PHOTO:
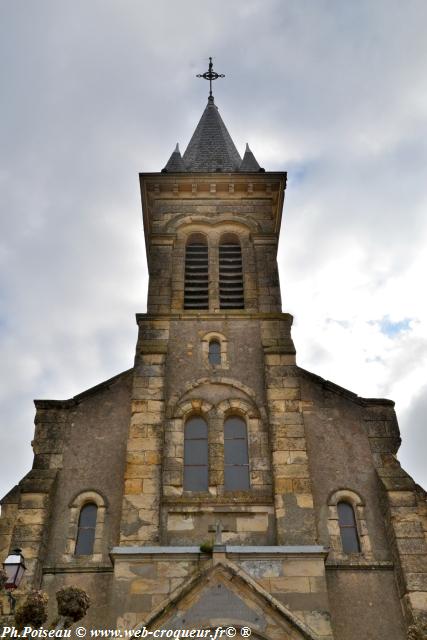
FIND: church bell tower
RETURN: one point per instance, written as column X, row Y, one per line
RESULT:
column 214, row 369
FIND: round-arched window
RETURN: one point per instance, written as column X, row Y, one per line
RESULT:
column 86, row 530
column 214, row 352
column 348, row 528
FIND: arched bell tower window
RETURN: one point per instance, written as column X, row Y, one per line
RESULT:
column 196, row 454
column 348, row 528
column 236, row 459
column 86, row 530
column 196, row 285
column 230, row 273
column 214, row 352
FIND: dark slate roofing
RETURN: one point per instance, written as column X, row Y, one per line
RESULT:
column 175, row 162
column 249, row 162
column 211, row 148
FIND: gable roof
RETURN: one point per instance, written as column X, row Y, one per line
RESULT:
column 228, row 570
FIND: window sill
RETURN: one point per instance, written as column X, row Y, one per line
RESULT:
column 78, row 566
column 355, row 562
column 230, row 497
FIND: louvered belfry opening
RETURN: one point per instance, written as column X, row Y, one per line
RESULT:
column 230, row 273
column 196, row 286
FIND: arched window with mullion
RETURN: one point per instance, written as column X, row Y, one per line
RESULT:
column 236, row 458
column 348, row 528
column 196, row 477
column 86, row 530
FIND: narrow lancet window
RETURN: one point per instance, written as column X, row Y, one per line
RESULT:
column 230, row 273
column 214, row 352
column 196, row 455
column 196, row 286
column 86, row 530
column 348, row 528
column 236, row 461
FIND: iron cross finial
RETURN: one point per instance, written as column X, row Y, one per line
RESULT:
column 210, row 75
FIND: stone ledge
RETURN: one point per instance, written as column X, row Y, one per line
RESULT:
column 207, row 500
column 78, row 569
column 147, row 550
column 234, row 314
column 361, row 565
column 286, row 550
column 265, row 550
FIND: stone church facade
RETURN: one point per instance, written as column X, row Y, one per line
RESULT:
column 217, row 483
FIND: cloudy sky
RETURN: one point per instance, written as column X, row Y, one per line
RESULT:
column 95, row 91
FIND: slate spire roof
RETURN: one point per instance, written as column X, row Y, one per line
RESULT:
column 211, row 148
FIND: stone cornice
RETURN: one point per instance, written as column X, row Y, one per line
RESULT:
column 228, row 187
column 221, row 315
column 265, row 551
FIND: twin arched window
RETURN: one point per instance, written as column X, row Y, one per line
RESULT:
column 196, row 278
column 196, row 455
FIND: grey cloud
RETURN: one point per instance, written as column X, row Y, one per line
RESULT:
column 413, row 425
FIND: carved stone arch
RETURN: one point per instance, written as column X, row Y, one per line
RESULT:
column 357, row 503
column 76, row 504
column 187, row 407
column 345, row 495
column 247, row 222
column 231, row 382
column 90, row 495
column 238, row 406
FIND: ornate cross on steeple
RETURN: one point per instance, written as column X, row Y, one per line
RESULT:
column 210, row 75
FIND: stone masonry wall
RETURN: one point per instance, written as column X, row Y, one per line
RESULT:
column 293, row 498
column 142, row 491
column 404, row 520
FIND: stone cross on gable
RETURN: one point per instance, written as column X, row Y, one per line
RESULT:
column 218, row 532
column 218, row 528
